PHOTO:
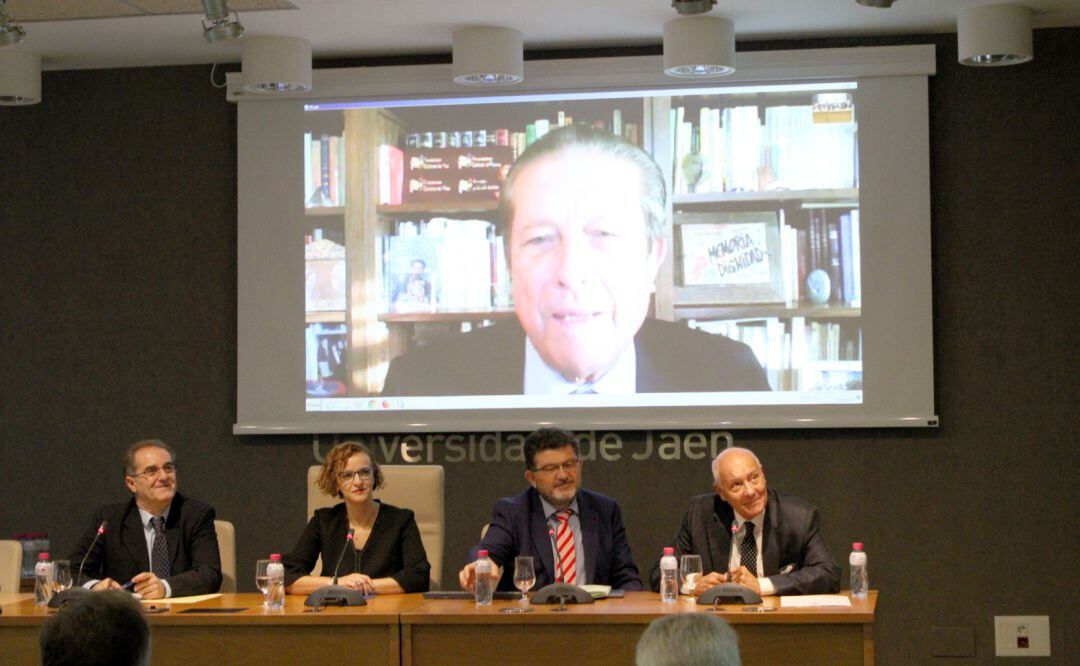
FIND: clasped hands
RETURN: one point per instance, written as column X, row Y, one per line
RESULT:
column 358, row 582
column 740, row 576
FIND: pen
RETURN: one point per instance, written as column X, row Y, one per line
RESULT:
column 128, row 585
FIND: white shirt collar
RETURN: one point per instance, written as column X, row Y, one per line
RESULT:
column 540, row 379
column 550, row 510
column 146, row 516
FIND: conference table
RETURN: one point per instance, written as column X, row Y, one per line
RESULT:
column 410, row 630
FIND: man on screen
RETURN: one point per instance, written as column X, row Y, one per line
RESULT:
column 584, row 220
column 777, row 549
column 159, row 543
column 587, row 527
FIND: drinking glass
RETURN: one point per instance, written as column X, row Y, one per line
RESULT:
column 262, row 579
column 61, row 576
column 524, row 579
column 690, row 572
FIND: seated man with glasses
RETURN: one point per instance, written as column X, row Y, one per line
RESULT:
column 574, row 535
column 385, row 554
column 159, row 543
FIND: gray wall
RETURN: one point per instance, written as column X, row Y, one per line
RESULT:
column 118, row 321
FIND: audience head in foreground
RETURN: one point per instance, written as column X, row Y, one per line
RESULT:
column 688, row 639
column 106, row 629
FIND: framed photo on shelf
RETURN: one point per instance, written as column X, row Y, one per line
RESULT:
column 727, row 258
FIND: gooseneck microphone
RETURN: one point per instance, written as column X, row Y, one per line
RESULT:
column 348, row 540
column 76, row 590
column 334, row 594
column 735, row 527
column 559, row 592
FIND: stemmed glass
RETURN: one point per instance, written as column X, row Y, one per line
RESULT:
column 524, row 579
column 262, row 579
column 62, row 576
column 690, row 571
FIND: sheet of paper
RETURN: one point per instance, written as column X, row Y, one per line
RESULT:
column 815, row 601
column 183, row 600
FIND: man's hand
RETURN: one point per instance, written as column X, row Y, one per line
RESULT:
column 106, row 584
column 149, row 586
column 359, row 582
column 708, row 581
column 743, row 577
column 467, row 576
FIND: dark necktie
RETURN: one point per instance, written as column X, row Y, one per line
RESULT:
column 159, row 561
column 749, row 548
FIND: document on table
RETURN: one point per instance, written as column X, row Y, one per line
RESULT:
column 183, row 600
column 815, row 601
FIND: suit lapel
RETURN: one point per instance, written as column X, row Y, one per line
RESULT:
column 720, row 535
column 770, row 534
column 172, row 530
column 538, row 529
column 590, row 536
column 134, row 538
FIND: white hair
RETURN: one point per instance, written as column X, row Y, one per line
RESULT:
column 727, row 451
column 688, row 639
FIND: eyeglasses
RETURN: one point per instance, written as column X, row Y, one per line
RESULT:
column 568, row 467
column 365, row 474
column 152, row 472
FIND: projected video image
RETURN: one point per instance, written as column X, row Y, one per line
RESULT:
column 688, row 249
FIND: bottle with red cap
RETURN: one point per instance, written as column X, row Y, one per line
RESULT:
column 860, row 581
column 275, row 590
column 485, row 579
column 669, row 576
column 43, row 579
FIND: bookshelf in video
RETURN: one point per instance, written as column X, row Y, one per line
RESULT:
column 401, row 242
column 766, row 230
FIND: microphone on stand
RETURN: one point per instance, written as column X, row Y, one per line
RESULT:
column 334, row 594
column 735, row 527
column 729, row 592
column 560, row 592
column 76, row 590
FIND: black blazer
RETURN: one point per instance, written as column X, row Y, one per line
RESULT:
column 791, row 536
column 491, row 361
column 519, row 527
column 120, row 553
column 393, row 548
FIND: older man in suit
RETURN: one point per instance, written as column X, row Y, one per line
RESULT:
column 573, row 535
column 764, row 539
column 159, row 543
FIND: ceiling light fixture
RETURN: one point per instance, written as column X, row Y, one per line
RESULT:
column 217, row 27
column 994, row 35
column 10, row 31
column 276, row 64
column 20, row 78
column 880, row 4
column 488, row 56
column 699, row 46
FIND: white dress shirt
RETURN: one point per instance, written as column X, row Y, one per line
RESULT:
column 736, row 550
column 540, row 379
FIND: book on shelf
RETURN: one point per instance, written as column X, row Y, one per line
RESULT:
column 324, row 169
column 442, row 176
column 391, row 174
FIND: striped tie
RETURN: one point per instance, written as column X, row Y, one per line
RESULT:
column 564, row 541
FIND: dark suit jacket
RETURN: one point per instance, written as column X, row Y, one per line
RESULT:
column 519, row 527
column 491, row 361
column 120, row 553
column 393, row 548
column 791, row 536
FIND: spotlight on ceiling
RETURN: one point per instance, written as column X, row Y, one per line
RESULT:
column 488, row 56
column 699, row 46
column 217, row 26
column 880, row 4
column 276, row 65
column 10, row 31
column 20, row 78
column 994, row 35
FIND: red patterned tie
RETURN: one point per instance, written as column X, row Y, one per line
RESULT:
column 564, row 541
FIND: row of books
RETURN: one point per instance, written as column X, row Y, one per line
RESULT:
column 324, row 170
column 731, row 150
column 829, row 240
column 798, row 355
column 444, row 264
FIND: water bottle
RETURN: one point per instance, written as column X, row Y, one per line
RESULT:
column 669, row 577
column 860, row 582
column 275, row 574
column 43, row 579
column 485, row 580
